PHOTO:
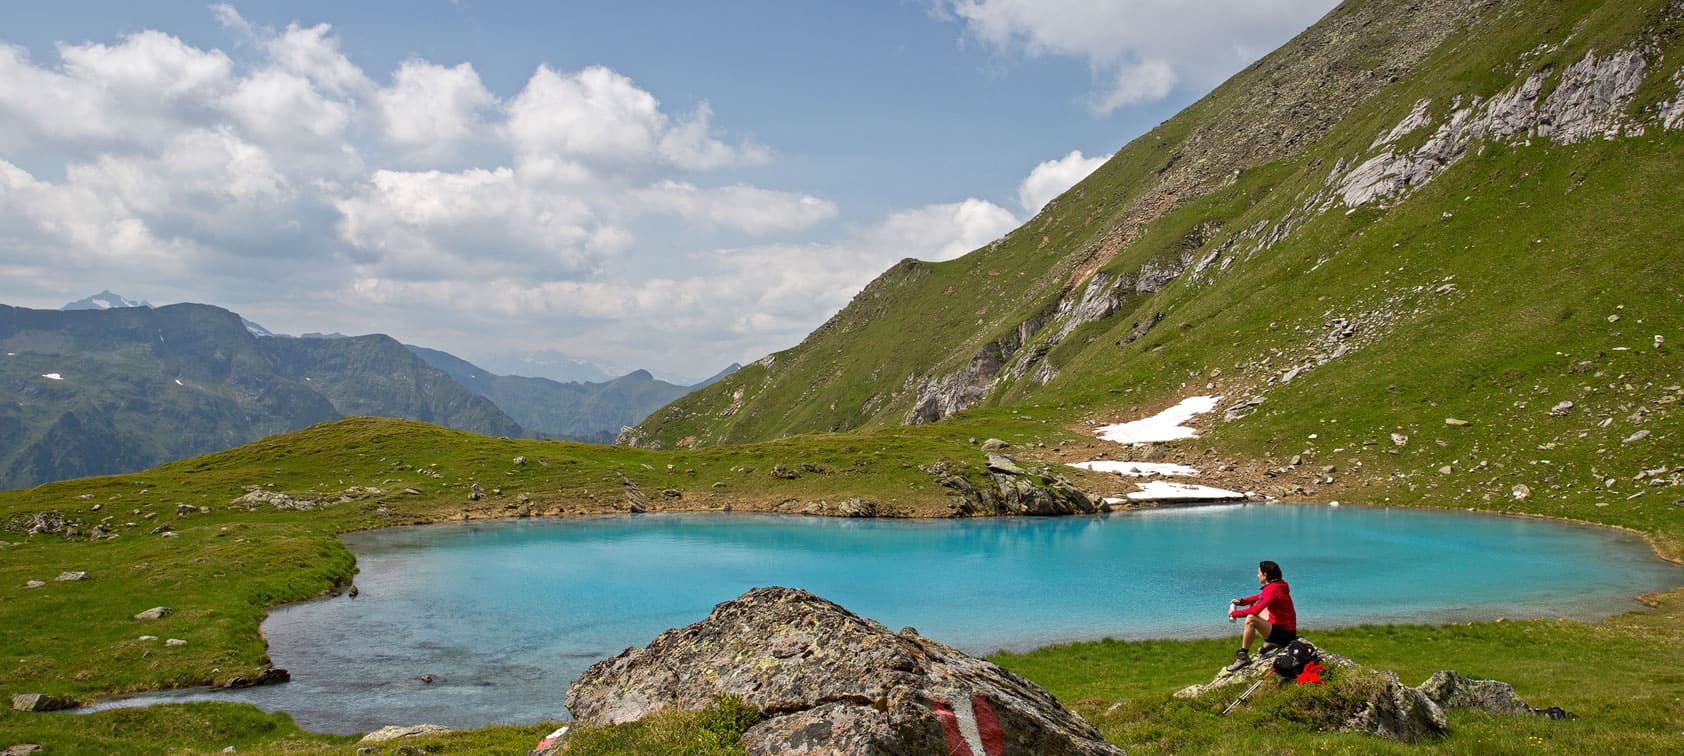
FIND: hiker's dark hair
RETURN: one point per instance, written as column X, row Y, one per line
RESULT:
column 1270, row 570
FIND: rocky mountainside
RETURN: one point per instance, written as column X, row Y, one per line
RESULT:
column 93, row 392
column 1416, row 211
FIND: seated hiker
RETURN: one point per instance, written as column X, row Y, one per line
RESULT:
column 1268, row 615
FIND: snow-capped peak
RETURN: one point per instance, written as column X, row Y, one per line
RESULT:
column 105, row 300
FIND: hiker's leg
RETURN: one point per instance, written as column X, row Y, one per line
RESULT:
column 1255, row 627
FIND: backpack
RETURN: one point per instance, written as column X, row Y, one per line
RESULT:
column 1291, row 660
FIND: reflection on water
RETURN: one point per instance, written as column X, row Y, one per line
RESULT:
column 504, row 615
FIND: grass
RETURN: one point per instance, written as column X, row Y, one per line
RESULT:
column 1612, row 675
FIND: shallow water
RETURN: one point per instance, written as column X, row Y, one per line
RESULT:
column 505, row 615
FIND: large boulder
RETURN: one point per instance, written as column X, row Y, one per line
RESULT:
column 830, row 681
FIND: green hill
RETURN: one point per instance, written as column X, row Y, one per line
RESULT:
column 1453, row 210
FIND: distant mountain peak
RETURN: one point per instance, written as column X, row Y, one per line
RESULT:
column 105, row 300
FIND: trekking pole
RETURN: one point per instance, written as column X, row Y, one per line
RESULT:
column 1246, row 694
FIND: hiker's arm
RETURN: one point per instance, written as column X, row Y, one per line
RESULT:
column 1249, row 601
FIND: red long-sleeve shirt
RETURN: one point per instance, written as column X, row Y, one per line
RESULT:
column 1277, row 598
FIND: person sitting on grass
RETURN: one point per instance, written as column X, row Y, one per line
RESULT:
column 1268, row 615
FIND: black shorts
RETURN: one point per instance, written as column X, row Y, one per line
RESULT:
column 1281, row 637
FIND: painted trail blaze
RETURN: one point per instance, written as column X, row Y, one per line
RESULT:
column 970, row 726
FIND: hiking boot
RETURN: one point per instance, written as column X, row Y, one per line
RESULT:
column 1241, row 658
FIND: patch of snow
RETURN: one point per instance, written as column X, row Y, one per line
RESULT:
column 52, row 376
column 179, row 383
column 1158, row 490
column 1140, row 469
column 1164, row 426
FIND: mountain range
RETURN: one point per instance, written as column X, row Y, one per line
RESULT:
column 111, row 385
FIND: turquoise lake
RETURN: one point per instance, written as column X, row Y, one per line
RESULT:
column 506, row 614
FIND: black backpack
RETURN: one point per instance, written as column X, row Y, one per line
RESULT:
column 1291, row 660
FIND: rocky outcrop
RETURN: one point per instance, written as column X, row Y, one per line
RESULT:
column 1016, row 491
column 830, row 681
column 1589, row 102
column 964, row 388
column 1375, row 702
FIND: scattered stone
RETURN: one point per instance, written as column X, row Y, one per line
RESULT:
column 1241, row 409
column 182, row 510
column 853, row 507
column 269, row 676
column 170, row 534
column 519, row 460
column 353, row 593
column 1450, row 690
column 427, row 678
column 1446, row 470
column 175, row 642
column 367, row 751
column 673, row 493
column 1297, row 459
column 22, row 749
column 994, row 444
column 782, row 473
column 256, row 497
column 156, row 612
column 412, row 491
column 1521, row 492
column 164, row 528
column 34, row 584
column 40, row 702
column 97, row 507
column 1635, row 437
column 1001, row 463
column 393, row 732
column 830, row 682
column 68, row 576
column 1455, row 422
column 1561, row 409
column 147, row 638
column 1398, row 439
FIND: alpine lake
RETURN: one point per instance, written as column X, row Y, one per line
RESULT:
column 504, row 615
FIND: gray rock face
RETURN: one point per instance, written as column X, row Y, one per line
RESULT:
column 830, row 681
column 40, row 702
column 1589, row 102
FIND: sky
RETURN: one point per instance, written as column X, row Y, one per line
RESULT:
column 672, row 186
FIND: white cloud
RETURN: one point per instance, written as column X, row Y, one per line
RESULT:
column 597, row 116
column 430, row 109
column 1051, row 178
column 313, row 54
column 752, row 209
column 942, row 232
column 141, row 90
column 719, row 305
column 1139, row 50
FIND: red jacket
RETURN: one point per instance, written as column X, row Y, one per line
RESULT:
column 1277, row 598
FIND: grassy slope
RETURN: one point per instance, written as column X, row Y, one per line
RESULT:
column 1538, row 270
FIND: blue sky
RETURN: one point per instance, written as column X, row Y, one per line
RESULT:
column 672, row 186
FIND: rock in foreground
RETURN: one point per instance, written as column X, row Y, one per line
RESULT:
column 830, row 681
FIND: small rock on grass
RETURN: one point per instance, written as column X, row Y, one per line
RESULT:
column 40, row 702
column 393, row 732
column 175, row 642
column 156, row 612
column 68, row 576
column 34, row 584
